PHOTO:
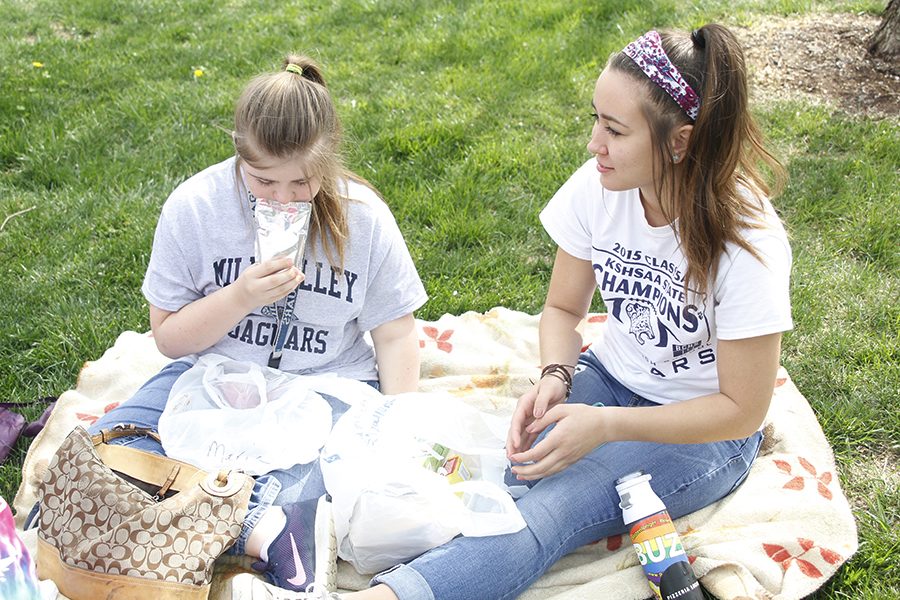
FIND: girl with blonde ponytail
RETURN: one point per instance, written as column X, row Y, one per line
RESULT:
column 209, row 292
column 670, row 219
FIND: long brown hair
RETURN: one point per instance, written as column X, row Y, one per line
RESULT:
column 290, row 113
column 725, row 151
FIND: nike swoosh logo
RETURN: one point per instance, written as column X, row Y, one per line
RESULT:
column 300, row 573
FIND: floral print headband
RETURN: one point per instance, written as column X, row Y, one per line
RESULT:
column 647, row 53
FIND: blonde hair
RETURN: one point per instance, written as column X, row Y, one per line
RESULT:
column 290, row 113
column 725, row 151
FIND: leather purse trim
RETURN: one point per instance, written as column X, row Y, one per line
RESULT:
column 81, row 584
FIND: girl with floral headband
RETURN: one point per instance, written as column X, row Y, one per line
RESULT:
column 670, row 219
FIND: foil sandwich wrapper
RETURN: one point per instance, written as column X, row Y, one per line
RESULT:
column 281, row 230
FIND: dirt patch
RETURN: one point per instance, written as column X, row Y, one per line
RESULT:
column 65, row 33
column 873, row 473
column 822, row 59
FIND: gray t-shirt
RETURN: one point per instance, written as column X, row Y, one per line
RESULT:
column 205, row 237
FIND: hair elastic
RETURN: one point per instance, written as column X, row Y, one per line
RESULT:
column 296, row 69
column 698, row 38
column 648, row 54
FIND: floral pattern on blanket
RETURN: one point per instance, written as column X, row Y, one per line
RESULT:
column 781, row 535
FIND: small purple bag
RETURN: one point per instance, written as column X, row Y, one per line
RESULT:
column 13, row 425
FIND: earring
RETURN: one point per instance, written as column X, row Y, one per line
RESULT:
column 676, row 157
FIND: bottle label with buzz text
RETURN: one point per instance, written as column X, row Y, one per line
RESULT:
column 663, row 558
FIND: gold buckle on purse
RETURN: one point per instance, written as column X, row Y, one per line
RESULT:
column 222, row 484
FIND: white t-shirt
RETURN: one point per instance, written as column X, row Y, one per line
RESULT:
column 206, row 235
column 658, row 342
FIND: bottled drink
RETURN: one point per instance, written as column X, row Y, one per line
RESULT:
column 655, row 540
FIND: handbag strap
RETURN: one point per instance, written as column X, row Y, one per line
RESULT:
column 44, row 400
column 162, row 472
column 120, row 431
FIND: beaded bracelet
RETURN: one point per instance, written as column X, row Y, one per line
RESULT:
column 561, row 372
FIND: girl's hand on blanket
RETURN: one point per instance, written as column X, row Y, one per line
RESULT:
column 574, row 435
column 532, row 405
column 268, row 281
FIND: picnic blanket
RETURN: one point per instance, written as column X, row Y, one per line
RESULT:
column 781, row 535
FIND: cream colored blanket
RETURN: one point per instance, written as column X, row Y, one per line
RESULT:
column 781, row 535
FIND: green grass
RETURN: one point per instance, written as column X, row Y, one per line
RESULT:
column 467, row 116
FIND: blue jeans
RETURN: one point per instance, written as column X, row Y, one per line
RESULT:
column 575, row 507
column 299, row 483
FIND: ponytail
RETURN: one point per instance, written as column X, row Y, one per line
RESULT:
column 724, row 152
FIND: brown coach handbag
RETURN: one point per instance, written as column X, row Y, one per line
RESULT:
column 116, row 522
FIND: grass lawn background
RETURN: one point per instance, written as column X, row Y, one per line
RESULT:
column 467, row 116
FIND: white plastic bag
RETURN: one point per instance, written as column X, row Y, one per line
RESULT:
column 224, row 413
column 388, row 507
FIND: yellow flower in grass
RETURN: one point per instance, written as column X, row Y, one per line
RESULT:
column 198, row 73
column 37, row 65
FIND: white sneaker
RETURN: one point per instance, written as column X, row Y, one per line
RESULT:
column 325, row 575
column 246, row 586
